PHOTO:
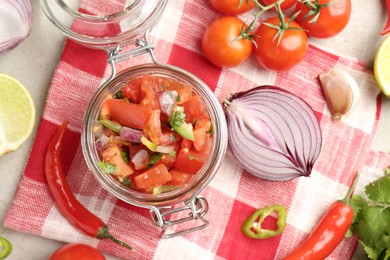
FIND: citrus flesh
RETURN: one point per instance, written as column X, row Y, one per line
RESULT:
column 17, row 114
column 382, row 66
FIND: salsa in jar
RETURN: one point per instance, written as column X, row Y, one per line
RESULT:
column 154, row 134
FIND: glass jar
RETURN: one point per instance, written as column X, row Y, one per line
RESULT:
column 164, row 204
column 110, row 29
column 95, row 24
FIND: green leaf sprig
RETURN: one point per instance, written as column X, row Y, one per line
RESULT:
column 372, row 218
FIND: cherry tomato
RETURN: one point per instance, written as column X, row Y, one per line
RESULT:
column 221, row 45
column 77, row 251
column 332, row 18
column 285, row 55
column 286, row 4
column 232, row 7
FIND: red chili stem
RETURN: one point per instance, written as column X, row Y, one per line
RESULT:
column 351, row 189
column 387, row 26
column 67, row 204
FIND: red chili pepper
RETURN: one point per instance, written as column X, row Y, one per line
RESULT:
column 329, row 232
column 66, row 202
column 387, row 26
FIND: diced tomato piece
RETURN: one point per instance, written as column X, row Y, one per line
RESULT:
column 202, row 128
column 104, row 112
column 195, row 109
column 128, row 114
column 154, row 177
column 153, row 130
column 186, row 143
column 178, row 177
column 112, row 154
column 184, row 90
column 190, row 161
column 151, row 86
column 132, row 90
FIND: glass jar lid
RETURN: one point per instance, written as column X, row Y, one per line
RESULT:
column 102, row 23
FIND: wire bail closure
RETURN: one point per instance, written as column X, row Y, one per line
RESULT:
column 115, row 55
column 197, row 207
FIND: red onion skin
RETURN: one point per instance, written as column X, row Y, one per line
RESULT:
column 258, row 156
column 24, row 10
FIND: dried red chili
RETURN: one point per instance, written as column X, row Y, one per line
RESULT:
column 329, row 231
column 65, row 200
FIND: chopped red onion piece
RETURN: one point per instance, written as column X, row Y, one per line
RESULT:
column 273, row 134
column 101, row 142
column 140, row 159
column 167, row 100
column 131, row 134
column 164, row 148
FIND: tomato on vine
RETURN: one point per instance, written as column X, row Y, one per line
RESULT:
column 280, row 45
column 225, row 42
column 286, row 4
column 323, row 18
column 232, row 7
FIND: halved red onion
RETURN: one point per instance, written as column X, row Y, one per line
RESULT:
column 131, row 134
column 167, row 100
column 15, row 23
column 273, row 134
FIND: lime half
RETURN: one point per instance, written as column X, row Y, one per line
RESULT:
column 17, row 114
column 382, row 66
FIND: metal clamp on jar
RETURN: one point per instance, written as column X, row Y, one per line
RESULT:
column 177, row 211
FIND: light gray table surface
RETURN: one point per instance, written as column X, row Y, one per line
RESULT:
column 34, row 61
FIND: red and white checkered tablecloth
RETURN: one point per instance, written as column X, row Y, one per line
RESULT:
column 233, row 194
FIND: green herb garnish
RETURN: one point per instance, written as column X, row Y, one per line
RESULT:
column 107, row 167
column 118, row 95
column 126, row 182
column 155, row 158
column 372, row 218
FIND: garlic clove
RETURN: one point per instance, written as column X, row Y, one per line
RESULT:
column 341, row 92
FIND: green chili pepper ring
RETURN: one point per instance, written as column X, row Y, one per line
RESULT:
column 5, row 248
column 252, row 225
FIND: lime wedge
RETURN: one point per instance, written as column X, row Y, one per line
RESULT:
column 382, row 66
column 17, row 114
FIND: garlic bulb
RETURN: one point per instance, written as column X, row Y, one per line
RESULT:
column 15, row 23
column 341, row 92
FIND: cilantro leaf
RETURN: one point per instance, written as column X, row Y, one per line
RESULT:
column 126, row 182
column 107, row 167
column 379, row 190
column 372, row 215
column 177, row 119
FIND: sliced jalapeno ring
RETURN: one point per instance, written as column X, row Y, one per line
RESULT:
column 252, row 225
column 5, row 248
